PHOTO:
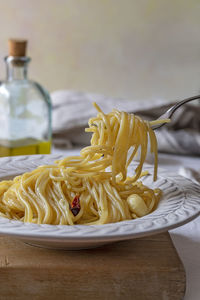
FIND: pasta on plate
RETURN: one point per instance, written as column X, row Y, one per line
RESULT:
column 92, row 188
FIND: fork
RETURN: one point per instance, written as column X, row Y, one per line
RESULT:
column 168, row 114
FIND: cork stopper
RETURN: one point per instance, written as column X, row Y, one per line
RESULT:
column 17, row 47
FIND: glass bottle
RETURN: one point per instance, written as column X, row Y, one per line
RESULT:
column 25, row 108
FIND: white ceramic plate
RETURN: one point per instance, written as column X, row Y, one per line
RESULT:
column 180, row 204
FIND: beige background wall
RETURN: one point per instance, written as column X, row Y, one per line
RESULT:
column 127, row 48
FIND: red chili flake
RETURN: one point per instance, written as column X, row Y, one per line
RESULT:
column 75, row 205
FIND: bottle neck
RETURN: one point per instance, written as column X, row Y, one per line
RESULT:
column 16, row 67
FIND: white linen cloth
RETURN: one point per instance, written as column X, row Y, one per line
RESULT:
column 187, row 238
column 72, row 109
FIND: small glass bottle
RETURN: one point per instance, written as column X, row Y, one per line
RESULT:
column 25, row 108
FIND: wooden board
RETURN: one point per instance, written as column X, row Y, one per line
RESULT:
column 141, row 269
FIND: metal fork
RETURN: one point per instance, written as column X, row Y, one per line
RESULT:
column 168, row 114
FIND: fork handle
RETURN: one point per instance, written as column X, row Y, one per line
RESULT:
column 174, row 107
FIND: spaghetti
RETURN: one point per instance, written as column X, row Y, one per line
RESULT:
column 92, row 188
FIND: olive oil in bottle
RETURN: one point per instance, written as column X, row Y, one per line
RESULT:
column 25, row 108
column 24, row 147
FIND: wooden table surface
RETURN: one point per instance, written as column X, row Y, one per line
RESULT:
column 141, row 269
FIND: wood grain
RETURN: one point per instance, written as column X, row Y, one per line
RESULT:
column 141, row 269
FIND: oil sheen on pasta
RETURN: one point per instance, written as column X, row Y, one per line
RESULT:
column 92, row 188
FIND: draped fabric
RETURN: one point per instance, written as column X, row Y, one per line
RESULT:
column 72, row 109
